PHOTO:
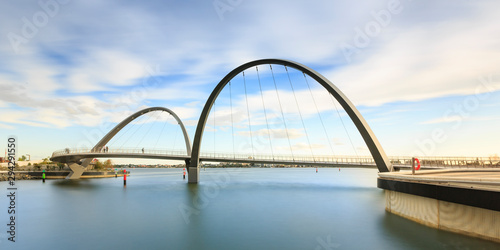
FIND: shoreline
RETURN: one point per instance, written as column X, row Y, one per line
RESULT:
column 37, row 175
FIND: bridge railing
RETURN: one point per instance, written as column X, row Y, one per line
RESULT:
column 76, row 151
column 428, row 162
column 368, row 160
column 450, row 162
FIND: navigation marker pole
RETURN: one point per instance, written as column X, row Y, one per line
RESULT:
column 184, row 174
column 43, row 176
column 124, row 177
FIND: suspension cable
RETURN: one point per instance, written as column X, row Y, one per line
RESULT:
column 214, row 128
column 161, row 132
column 142, row 124
column 282, row 114
column 147, row 132
column 113, row 140
column 265, row 113
column 232, row 122
column 248, row 113
column 300, row 114
column 345, row 129
column 317, row 110
column 175, row 140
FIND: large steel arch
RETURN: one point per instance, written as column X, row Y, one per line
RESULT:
column 369, row 137
column 121, row 125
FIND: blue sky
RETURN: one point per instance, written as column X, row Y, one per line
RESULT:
column 424, row 74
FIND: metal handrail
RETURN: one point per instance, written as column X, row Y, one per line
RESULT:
column 437, row 162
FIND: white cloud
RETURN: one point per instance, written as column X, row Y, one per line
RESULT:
column 304, row 147
column 425, row 61
column 291, row 133
column 454, row 118
column 338, row 141
column 6, row 126
column 104, row 69
column 457, row 118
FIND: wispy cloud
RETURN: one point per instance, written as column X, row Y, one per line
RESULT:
column 435, row 58
column 457, row 118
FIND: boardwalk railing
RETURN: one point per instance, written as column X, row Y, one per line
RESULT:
column 398, row 161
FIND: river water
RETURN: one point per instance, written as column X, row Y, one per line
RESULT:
column 287, row 208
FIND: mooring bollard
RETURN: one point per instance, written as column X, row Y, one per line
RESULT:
column 413, row 167
column 124, row 177
column 43, row 176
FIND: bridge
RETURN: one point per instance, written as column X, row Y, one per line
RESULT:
column 399, row 162
column 79, row 158
column 464, row 191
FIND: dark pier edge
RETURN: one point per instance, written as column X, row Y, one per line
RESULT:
column 465, row 196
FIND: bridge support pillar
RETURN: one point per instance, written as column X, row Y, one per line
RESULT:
column 194, row 174
column 193, row 171
column 76, row 171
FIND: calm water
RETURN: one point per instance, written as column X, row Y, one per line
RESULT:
column 229, row 209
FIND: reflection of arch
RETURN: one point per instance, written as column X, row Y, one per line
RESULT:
column 128, row 120
column 371, row 141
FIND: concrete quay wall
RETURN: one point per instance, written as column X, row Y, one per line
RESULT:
column 458, row 218
column 465, row 202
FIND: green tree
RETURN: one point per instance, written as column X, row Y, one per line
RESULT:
column 22, row 158
column 46, row 161
column 108, row 164
column 98, row 165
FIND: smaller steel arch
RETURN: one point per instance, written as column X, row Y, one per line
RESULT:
column 121, row 125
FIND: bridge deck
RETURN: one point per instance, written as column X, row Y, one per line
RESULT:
column 74, row 155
